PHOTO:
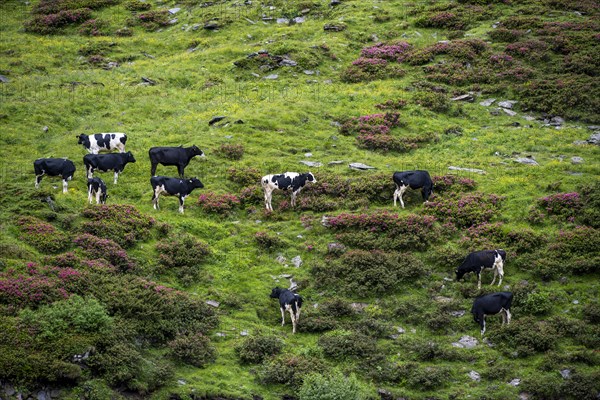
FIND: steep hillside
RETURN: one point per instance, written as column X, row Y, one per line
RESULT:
column 498, row 100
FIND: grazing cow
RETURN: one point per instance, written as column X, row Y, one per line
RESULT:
column 288, row 301
column 179, row 156
column 288, row 180
column 103, row 142
column 54, row 167
column 107, row 162
column 492, row 304
column 415, row 180
column 480, row 260
column 173, row 187
column 97, row 188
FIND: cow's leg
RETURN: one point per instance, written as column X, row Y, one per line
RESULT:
column 38, row 179
column 293, row 317
column 90, row 194
column 402, row 190
column 268, row 196
column 508, row 316
column 180, row 169
column 294, row 198
column 500, row 269
column 116, row 177
column 479, row 280
column 90, row 172
column 98, row 193
column 482, row 324
column 495, row 275
column 282, row 316
column 153, row 169
column 396, row 195
column 155, row 197
column 65, row 186
column 181, row 201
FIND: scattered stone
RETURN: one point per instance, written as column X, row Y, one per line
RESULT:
column 244, row 333
column 325, row 221
column 487, row 103
column 575, row 302
column 358, row 307
column 174, row 10
column 305, row 11
column 211, row 26
column 335, row 3
column 41, row 395
column 148, row 81
column 220, row 334
column 556, row 121
column 308, row 72
column 308, row 155
column 580, row 142
column 464, row 97
column 148, row 55
column 299, row 20
column 475, row 376
column 466, row 342
column 527, row 160
column 400, row 330
column 311, row 163
column 509, row 112
column 495, row 25
column 283, row 21
column 385, row 394
column 281, row 259
column 336, row 248
column 474, row 170
column 271, row 77
column 286, row 62
column 576, row 160
column 457, row 314
column 529, row 117
column 110, row 65
column 45, row 129
column 594, row 127
column 515, row 382
column 181, row 382
column 360, row 166
column 195, row 27
column 336, row 162
column 216, row 119
column 442, row 299
column 4, row 79
column 334, row 27
column 594, row 139
column 213, row 303
column 565, row 373
column 495, row 111
column 9, row 390
column 507, row 104
column 297, row 261
column 172, row 21
column 523, row 396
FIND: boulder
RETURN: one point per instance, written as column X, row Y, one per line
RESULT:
column 360, row 166
column 507, row 104
column 576, row 160
column 311, row 163
column 213, row 303
column 487, row 103
column 475, row 376
column 297, row 261
column 466, row 342
column 527, row 160
column 464, row 97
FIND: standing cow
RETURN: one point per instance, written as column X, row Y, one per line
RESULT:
column 107, row 162
column 288, row 301
column 480, row 260
column 97, row 188
column 415, row 180
column 103, row 142
column 178, row 156
column 173, row 187
column 285, row 181
column 492, row 304
column 54, row 167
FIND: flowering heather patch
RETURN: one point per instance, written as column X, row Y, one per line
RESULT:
column 42, row 235
column 389, row 52
column 452, row 183
column 93, row 27
column 97, row 248
column 151, row 20
column 501, row 59
column 252, row 195
column 460, row 50
column 392, row 104
column 466, row 210
column 244, row 175
column 218, row 203
column 121, row 223
column 506, row 35
column 232, row 151
column 563, row 205
column 484, row 236
column 371, row 124
column 366, row 69
column 183, row 255
column 54, row 6
column 531, row 49
column 267, row 241
column 51, row 23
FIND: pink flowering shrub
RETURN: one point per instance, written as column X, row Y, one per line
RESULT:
column 530, row 49
column 122, row 223
column 218, row 203
column 97, row 248
column 452, row 183
column 252, row 195
column 266, row 240
column 483, row 236
column 466, row 210
column 232, row 151
column 506, row 35
column 366, row 69
column 52, row 23
column 501, row 59
column 389, row 52
column 392, row 104
column 151, row 20
column 93, row 27
column 565, row 206
column 42, row 235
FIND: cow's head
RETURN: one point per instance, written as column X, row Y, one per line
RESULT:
column 103, row 198
column 195, row 183
column 83, row 139
column 197, row 152
column 275, row 293
column 129, row 157
column 459, row 274
column 311, row 178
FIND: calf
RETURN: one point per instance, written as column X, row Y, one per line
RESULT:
column 415, row 180
column 173, row 187
column 54, row 167
column 179, row 156
column 103, row 142
column 97, row 188
column 288, row 301
column 107, row 162
column 285, row 181
column 492, row 304
column 480, row 260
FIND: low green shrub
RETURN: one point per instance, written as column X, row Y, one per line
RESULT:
column 526, row 336
column 192, row 348
column 183, row 255
column 341, row 344
column 267, row 241
column 466, row 210
column 42, row 235
column 332, row 386
column 256, row 349
column 314, row 323
column 336, row 307
column 289, row 370
column 436, row 102
column 370, row 69
column 232, row 151
column 212, row 202
column 122, row 223
column 244, row 176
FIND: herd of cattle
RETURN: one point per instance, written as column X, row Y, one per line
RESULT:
column 476, row 262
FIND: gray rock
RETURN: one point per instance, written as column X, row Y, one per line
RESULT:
column 594, row 127
column 334, row 27
column 244, row 333
column 400, row 330
column 487, row 103
column 565, row 373
column 360, row 166
column 509, row 112
column 299, row 20
column 308, row 72
column 358, row 307
column 515, row 382
column 211, row 26
column 523, row 396
column 220, row 334
column 281, row 259
column 529, row 117
column 4, row 79
column 495, row 25
column 475, row 376
column 466, row 342
column 335, row 3
column 507, row 104
column 580, row 142
column 45, row 129
column 335, row 248
column 286, row 62
column 575, row 302
column 181, row 382
column 556, row 121
column 311, row 163
column 442, row 299
column 174, row 10
column 527, row 160
column 213, row 303
column 148, row 81
column 576, row 160
column 195, row 27
column 9, row 390
column 594, row 139
column 325, row 221
column 474, row 170
column 457, row 314
column 293, row 285
column 495, row 111
column 336, row 162
column 271, row 77
column 297, row 261
column 394, row 337
column 254, row 74
column 464, row 97
column 41, row 395
column 283, row 21
column 173, row 21
column 308, row 155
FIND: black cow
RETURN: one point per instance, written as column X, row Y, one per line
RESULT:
column 103, row 141
column 288, row 301
column 97, row 188
column 415, row 180
column 480, row 260
column 54, row 167
column 285, row 181
column 107, row 162
column 173, row 187
column 178, row 156
column 492, row 304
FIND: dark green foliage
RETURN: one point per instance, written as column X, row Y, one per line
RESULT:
column 428, row 350
column 137, row 5
column 591, row 312
column 331, row 386
column 336, row 307
column 590, row 213
column 93, row 27
column 183, row 255
column 151, row 20
column 466, row 210
column 122, row 223
column 370, row 69
column 425, row 378
column 580, row 386
column 506, row 35
column 314, row 323
column 244, row 175
column 193, row 348
column 256, row 349
column 342, row 344
column 42, row 235
column 232, row 151
column 267, row 241
column 373, row 327
column 536, row 303
column 289, row 369
column 436, row 102
column 526, row 336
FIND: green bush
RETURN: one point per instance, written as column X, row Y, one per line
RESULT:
column 437, row 102
column 232, row 151
column 184, row 255
column 526, row 336
column 590, row 213
column 289, row 370
column 336, row 307
column 193, row 348
column 427, row 378
column 341, row 344
column 591, row 312
column 536, row 303
column 267, row 241
column 244, row 176
column 331, row 387
column 122, row 223
column 42, row 235
column 255, row 349
column 312, row 323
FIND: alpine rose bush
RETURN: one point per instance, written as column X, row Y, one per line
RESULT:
column 42, row 235
column 97, row 248
column 563, row 205
column 218, row 203
column 122, row 223
column 466, row 210
column 389, row 52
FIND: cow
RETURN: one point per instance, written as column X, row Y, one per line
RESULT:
column 54, row 167
column 288, row 301
column 103, row 142
column 173, row 187
column 107, row 162
column 178, row 156
column 480, row 260
column 492, row 304
column 285, row 181
column 97, row 188
column 415, row 180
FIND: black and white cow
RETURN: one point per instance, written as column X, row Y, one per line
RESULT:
column 103, row 142
column 107, row 162
column 178, row 156
column 173, row 187
column 492, row 304
column 288, row 301
column 97, row 188
column 285, row 181
column 415, row 180
column 54, row 167
column 480, row 260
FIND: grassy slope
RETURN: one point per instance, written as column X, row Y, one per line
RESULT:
column 278, row 129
